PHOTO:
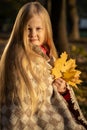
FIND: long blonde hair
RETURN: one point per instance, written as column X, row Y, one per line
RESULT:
column 11, row 68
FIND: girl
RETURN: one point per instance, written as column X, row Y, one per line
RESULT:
column 30, row 97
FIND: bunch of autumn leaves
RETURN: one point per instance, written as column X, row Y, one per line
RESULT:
column 66, row 69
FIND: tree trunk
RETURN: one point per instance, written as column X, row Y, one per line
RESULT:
column 74, row 18
column 59, row 25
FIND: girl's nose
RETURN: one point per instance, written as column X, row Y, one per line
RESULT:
column 33, row 33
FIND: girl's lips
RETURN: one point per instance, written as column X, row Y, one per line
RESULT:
column 32, row 40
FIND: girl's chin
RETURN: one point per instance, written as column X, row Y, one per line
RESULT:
column 36, row 43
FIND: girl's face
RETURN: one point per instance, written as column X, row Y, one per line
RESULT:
column 36, row 30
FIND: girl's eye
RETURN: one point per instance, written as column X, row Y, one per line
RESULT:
column 29, row 29
column 38, row 28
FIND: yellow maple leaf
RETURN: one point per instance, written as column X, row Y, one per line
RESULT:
column 70, row 64
column 68, row 75
column 67, row 70
column 56, row 73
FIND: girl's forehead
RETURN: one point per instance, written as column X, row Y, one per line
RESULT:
column 36, row 19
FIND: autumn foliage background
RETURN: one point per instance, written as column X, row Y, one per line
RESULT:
column 69, row 37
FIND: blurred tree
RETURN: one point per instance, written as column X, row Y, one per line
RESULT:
column 73, row 20
column 58, row 17
column 65, row 21
column 63, row 13
column 82, row 8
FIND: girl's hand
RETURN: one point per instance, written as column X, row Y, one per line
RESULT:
column 60, row 84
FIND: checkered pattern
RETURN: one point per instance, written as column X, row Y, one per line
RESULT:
column 52, row 112
column 53, row 115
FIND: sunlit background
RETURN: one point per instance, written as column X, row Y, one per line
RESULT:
column 69, row 23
